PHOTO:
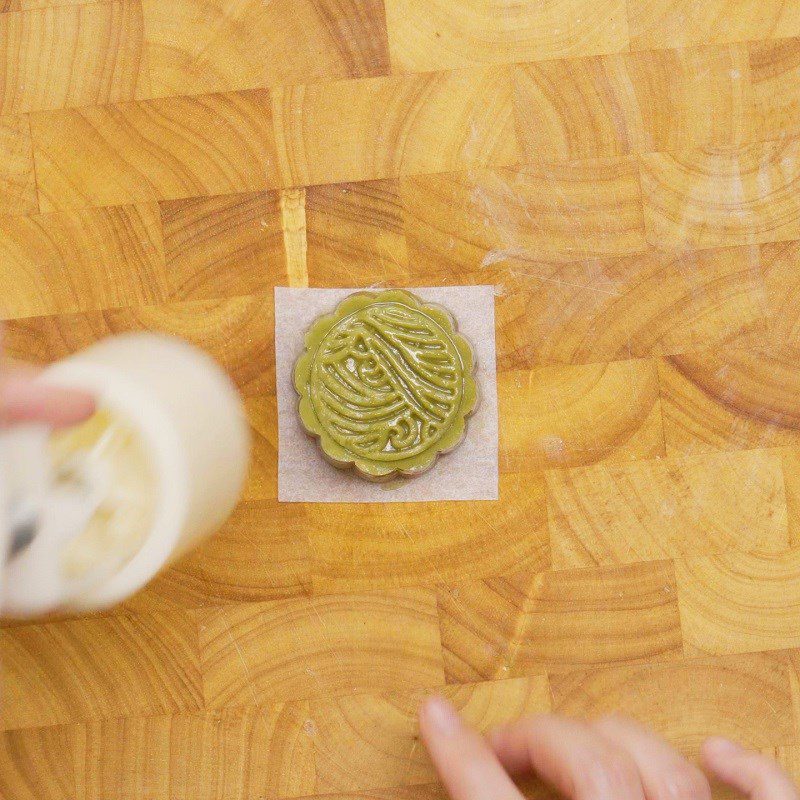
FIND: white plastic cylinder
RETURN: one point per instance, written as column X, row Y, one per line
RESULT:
column 192, row 425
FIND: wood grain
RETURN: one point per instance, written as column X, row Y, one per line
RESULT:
column 29, row 5
column 790, row 458
column 386, row 127
column 80, row 55
column 17, row 177
column 550, row 211
column 705, row 198
column 261, row 752
column 729, row 399
column 620, row 399
column 609, row 309
column 677, row 23
column 81, row 261
column 153, row 150
column 356, row 234
column 557, row 621
column 223, row 246
column 332, row 644
column 747, row 698
column 777, row 263
column 624, row 513
column 634, row 103
column 295, row 235
column 200, row 46
column 774, row 66
column 433, row 543
column 262, row 478
column 41, row 763
column 95, row 668
column 426, row 36
column 739, row 602
column 430, row 791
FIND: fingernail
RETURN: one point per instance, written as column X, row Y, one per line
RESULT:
column 723, row 747
column 441, row 715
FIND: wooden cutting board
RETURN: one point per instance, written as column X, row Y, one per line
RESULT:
column 626, row 175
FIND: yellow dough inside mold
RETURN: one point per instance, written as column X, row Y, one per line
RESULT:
column 386, row 384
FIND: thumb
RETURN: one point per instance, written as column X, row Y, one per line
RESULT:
column 753, row 774
column 464, row 761
column 23, row 399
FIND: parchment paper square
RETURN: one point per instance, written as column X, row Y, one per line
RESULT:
column 468, row 473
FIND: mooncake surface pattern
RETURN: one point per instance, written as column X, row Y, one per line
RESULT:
column 386, row 383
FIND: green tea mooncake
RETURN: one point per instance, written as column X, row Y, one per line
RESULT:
column 386, row 384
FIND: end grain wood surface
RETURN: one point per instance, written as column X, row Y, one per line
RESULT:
column 626, row 172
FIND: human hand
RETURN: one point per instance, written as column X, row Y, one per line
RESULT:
column 608, row 759
column 23, row 399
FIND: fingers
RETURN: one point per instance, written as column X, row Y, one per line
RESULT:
column 464, row 761
column 665, row 773
column 747, row 771
column 22, row 399
column 610, row 759
column 572, row 756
